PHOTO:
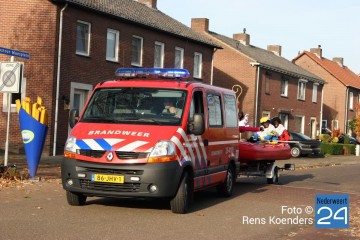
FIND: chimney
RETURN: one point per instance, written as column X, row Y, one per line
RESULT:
column 339, row 60
column 275, row 49
column 149, row 3
column 200, row 24
column 317, row 51
column 244, row 38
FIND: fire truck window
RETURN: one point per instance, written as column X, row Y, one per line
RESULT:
column 197, row 105
column 230, row 111
column 214, row 110
column 135, row 106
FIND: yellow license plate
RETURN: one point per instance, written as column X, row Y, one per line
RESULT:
column 107, row 178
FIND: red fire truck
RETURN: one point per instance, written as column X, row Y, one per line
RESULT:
column 152, row 133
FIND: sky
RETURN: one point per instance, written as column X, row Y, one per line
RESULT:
column 296, row 25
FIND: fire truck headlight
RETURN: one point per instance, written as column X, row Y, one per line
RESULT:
column 164, row 151
column 70, row 145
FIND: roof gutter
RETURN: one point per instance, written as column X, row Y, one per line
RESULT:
column 58, row 78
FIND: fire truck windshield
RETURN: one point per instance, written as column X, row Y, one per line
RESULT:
column 151, row 106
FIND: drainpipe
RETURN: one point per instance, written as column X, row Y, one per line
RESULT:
column 257, row 89
column 58, row 78
column 321, row 107
column 346, row 109
column 212, row 67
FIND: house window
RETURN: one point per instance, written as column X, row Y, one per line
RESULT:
column 266, row 114
column 284, row 117
column 267, row 83
column 214, row 110
column 314, row 92
column 179, row 57
column 301, row 89
column 351, row 100
column 197, row 65
column 112, row 45
column 299, row 123
column 284, row 87
column 334, row 124
column 83, row 38
column 137, row 49
column 159, row 55
column 324, row 127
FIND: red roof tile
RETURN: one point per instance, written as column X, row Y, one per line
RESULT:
column 342, row 73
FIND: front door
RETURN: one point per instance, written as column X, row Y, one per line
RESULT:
column 79, row 94
column 313, row 128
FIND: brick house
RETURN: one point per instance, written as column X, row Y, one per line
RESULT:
column 270, row 84
column 74, row 44
column 340, row 94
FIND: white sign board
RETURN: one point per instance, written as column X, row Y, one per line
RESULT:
column 10, row 76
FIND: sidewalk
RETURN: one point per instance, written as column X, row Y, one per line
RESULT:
column 49, row 166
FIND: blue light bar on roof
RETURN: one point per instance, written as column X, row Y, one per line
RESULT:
column 152, row 73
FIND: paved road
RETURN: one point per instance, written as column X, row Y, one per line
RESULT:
column 38, row 210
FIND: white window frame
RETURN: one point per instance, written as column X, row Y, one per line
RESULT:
column 116, row 46
column 267, row 84
column 314, row 92
column 266, row 114
column 181, row 50
column 334, row 125
column 351, row 100
column 137, row 64
column 162, row 50
column 197, row 65
column 13, row 106
column 301, row 89
column 285, row 83
column 302, row 127
column 87, row 50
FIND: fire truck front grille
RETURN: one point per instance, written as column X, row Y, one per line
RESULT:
column 109, row 187
column 112, row 171
column 131, row 155
column 92, row 153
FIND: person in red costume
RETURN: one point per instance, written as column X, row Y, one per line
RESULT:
column 281, row 131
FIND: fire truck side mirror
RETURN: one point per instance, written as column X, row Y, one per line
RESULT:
column 73, row 117
column 197, row 125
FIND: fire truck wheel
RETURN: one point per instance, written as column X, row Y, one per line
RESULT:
column 75, row 199
column 226, row 188
column 275, row 178
column 180, row 203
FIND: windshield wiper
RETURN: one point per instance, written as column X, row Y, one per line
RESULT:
column 100, row 119
column 142, row 120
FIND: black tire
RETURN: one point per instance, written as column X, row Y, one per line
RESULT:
column 180, row 203
column 275, row 178
column 295, row 152
column 226, row 188
column 75, row 199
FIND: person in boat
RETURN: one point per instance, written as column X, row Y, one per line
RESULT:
column 267, row 132
column 281, row 131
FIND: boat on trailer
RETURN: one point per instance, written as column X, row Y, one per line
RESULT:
column 258, row 159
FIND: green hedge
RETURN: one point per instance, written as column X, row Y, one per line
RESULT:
column 336, row 148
